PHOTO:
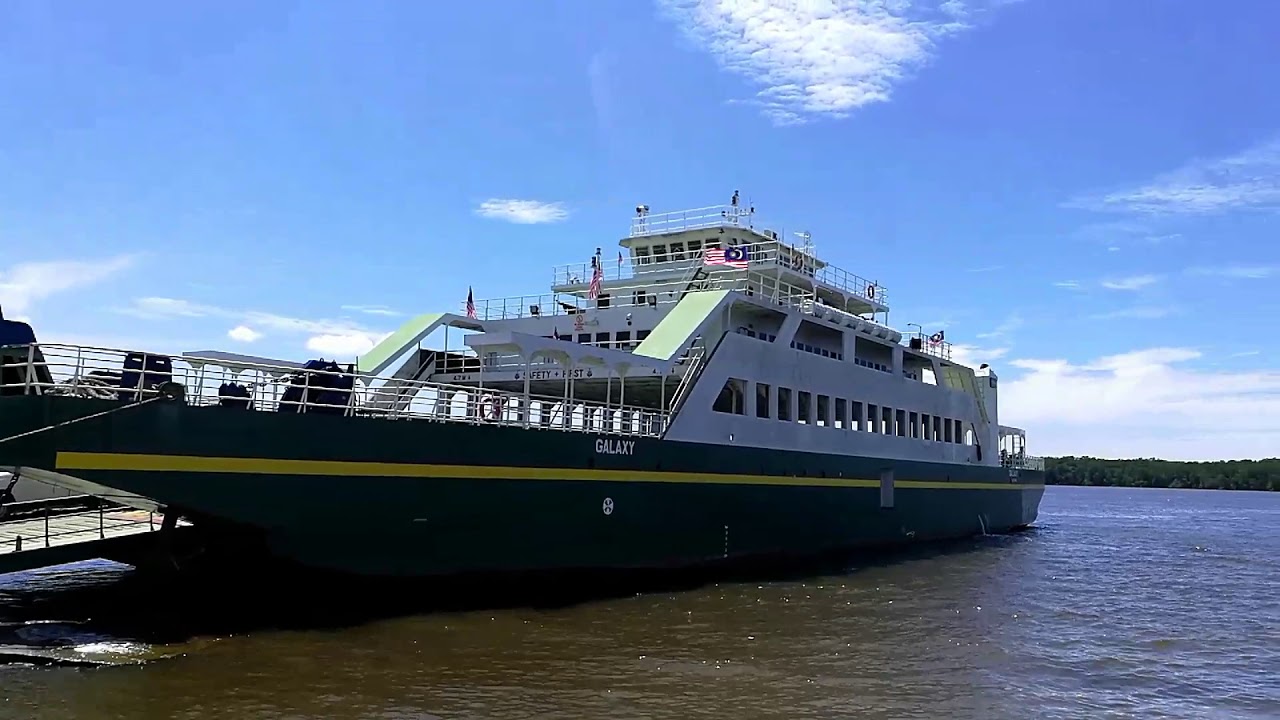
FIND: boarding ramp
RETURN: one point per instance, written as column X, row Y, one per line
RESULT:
column 385, row 353
column 681, row 324
column 962, row 379
column 43, row 533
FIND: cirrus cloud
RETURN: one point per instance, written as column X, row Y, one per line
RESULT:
column 1249, row 179
column 522, row 212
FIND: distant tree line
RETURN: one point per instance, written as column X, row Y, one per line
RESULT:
column 1222, row 475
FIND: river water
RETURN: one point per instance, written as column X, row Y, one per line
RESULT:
column 1124, row 603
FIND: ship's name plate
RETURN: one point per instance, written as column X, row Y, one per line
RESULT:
column 609, row 446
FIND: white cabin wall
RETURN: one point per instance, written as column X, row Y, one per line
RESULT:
column 779, row 366
column 989, row 392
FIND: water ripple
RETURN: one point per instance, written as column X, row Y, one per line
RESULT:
column 1122, row 603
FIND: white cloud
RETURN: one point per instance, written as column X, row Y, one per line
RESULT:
column 523, row 212
column 1245, row 272
column 244, row 334
column 1068, row 284
column 341, row 345
column 1142, row 404
column 818, row 59
column 1004, row 329
column 24, row 284
column 335, row 337
column 973, row 356
column 1136, row 282
column 1137, row 312
column 1247, row 180
column 382, row 310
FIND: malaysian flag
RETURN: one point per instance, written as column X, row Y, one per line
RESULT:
column 936, row 338
column 734, row 257
column 471, row 304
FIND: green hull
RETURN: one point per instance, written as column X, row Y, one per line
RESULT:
column 420, row 498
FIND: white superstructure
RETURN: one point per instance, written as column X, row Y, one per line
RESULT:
column 734, row 336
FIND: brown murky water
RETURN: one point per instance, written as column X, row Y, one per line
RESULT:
column 1123, row 603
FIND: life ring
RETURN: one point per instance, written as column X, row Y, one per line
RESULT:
column 495, row 405
column 871, row 291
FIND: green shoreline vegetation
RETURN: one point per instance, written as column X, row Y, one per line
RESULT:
column 1217, row 475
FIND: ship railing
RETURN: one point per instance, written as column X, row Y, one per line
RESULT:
column 921, row 342
column 644, row 224
column 760, row 255
column 568, row 305
column 1022, row 462
column 852, row 284
column 96, row 372
column 580, row 273
column 49, row 528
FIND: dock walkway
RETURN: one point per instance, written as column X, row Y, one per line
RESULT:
column 54, row 538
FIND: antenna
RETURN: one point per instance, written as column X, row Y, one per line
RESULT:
column 808, row 242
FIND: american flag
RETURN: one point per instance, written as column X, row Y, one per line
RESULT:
column 734, row 257
column 471, row 304
column 593, row 290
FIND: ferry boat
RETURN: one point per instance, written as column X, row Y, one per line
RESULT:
column 714, row 393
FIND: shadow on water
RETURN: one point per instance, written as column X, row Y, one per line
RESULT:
column 101, row 603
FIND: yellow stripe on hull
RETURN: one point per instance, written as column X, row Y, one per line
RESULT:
column 269, row 466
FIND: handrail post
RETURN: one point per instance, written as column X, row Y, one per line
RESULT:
column 102, row 527
column 31, row 368
column 46, row 527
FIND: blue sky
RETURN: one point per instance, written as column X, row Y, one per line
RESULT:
column 1083, row 193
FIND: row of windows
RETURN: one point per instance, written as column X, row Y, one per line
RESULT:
column 788, row 405
column 620, row 340
column 674, row 252
column 806, row 347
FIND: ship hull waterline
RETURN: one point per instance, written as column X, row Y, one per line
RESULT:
column 416, row 498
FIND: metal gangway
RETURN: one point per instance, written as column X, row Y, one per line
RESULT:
column 57, row 531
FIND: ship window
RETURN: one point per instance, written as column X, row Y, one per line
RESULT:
column 925, row 432
column 804, row 413
column 677, row 251
column 642, row 255
column 694, row 246
column 584, row 338
column 872, row 415
column 641, row 335
column 602, row 301
column 623, row 339
column 902, row 423
column 602, row 339
column 958, row 433
column 784, row 404
column 856, row 423
column 638, row 297
column 937, row 428
column 824, row 411
column 886, row 417
column 915, row 425
column 660, row 253
column 762, row 400
column 730, row 398
column 713, row 243
column 842, row 412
